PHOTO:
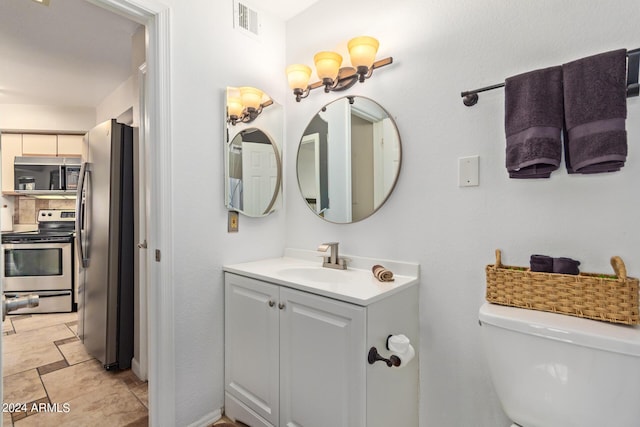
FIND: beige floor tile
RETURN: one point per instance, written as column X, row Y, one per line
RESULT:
column 95, row 397
column 38, row 321
column 74, row 352
column 141, row 422
column 129, row 377
column 23, row 387
column 73, row 326
column 141, row 391
column 224, row 421
column 6, row 419
column 83, row 378
column 32, row 349
column 7, row 326
column 39, row 355
column 112, row 406
column 25, row 341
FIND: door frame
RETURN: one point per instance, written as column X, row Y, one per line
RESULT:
column 157, row 119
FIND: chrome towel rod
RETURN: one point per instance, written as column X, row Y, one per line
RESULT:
column 470, row 97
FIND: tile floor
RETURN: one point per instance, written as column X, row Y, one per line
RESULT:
column 226, row 421
column 47, row 372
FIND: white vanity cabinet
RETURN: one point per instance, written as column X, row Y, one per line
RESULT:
column 294, row 358
column 252, row 347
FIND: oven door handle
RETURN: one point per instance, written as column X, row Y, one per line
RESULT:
column 81, row 201
column 48, row 294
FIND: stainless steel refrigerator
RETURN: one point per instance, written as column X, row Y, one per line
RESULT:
column 104, row 244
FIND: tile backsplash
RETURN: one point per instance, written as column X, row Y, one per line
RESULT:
column 26, row 208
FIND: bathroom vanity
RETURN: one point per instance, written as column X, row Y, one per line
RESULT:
column 297, row 339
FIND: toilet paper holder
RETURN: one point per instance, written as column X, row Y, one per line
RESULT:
column 374, row 356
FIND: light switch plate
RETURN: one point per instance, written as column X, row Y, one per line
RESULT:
column 232, row 223
column 468, row 171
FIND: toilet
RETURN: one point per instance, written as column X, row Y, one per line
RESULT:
column 553, row 370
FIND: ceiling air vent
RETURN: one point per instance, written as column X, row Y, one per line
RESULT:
column 245, row 19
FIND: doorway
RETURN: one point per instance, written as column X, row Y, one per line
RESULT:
column 155, row 17
column 156, row 122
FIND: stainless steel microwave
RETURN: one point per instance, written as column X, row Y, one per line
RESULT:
column 38, row 175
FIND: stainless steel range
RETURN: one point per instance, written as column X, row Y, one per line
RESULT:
column 42, row 263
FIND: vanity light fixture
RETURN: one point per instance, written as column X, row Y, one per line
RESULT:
column 246, row 106
column 362, row 52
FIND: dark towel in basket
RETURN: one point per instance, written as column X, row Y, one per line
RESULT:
column 541, row 263
column 595, row 105
column 565, row 266
column 533, row 123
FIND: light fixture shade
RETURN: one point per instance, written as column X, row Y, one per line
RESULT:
column 362, row 51
column 234, row 106
column 298, row 76
column 251, row 97
column 327, row 64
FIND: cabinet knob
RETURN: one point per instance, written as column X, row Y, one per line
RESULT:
column 281, row 306
column 271, row 303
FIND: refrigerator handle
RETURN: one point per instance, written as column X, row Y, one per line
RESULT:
column 80, row 214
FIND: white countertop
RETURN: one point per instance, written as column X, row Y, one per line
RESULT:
column 355, row 285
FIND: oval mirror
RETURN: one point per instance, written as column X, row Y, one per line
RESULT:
column 348, row 159
column 253, row 167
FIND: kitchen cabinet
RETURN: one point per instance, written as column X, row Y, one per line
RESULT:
column 11, row 147
column 39, row 145
column 62, row 145
column 297, row 359
column 69, row 145
column 46, row 145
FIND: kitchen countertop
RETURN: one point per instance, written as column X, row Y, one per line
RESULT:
column 25, row 227
column 355, row 285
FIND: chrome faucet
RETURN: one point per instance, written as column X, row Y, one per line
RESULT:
column 333, row 260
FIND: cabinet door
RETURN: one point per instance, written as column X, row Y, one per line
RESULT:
column 69, row 145
column 322, row 362
column 251, row 344
column 39, row 145
column 11, row 147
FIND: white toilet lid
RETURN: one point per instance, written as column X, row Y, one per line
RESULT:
column 589, row 333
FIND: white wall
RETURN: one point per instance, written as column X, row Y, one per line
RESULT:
column 46, row 118
column 441, row 48
column 207, row 55
column 123, row 102
column 119, row 101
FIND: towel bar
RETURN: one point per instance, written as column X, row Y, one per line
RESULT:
column 470, row 97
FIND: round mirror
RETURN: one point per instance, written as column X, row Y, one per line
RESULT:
column 348, row 159
column 253, row 166
column 253, row 174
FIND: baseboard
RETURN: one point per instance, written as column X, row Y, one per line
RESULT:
column 135, row 367
column 208, row 419
column 238, row 411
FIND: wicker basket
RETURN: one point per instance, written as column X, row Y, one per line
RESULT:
column 593, row 296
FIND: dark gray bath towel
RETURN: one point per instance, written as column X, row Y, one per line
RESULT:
column 595, row 105
column 541, row 263
column 564, row 265
column 533, row 121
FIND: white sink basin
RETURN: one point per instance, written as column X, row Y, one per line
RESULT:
column 320, row 275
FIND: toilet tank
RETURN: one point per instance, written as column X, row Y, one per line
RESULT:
column 553, row 370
